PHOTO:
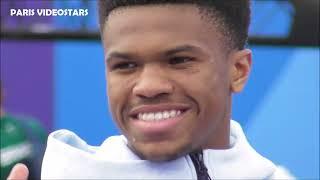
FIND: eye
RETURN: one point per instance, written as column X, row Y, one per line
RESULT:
column 124, row 66
column 180, row 60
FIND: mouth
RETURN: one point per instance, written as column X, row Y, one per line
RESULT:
column 157, row 112
column 155, row 120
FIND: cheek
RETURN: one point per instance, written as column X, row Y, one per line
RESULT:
column 209, row 89
column 217, row 90
column 117, row 95
column 118, row 87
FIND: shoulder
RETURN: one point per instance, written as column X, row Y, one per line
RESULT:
column 11, row 130
column 114, row 147
column 69, row 156
column 9, row 120
column 30, row 126
column 67, row 141
column 282, row 173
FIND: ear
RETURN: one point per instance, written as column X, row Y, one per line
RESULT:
column 240, row 69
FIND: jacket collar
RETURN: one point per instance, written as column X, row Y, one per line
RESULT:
column 113, row 159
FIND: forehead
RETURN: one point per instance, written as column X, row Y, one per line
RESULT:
column 169, row 24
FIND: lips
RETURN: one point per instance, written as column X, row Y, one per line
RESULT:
column 157, row 119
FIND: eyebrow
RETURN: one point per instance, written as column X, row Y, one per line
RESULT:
column 181, row 49
column 117, row 55
column 169, row 52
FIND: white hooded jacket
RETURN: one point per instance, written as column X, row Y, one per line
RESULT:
column 69, row 157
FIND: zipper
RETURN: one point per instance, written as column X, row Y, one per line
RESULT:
column 201, row 169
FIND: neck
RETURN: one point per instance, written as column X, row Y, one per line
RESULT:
column 221, row 134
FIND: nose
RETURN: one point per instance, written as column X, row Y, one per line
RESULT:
column 153, row 82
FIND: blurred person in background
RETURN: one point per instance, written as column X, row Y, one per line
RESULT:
column 23, row 140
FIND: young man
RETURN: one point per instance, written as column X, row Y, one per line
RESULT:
column 171, row 69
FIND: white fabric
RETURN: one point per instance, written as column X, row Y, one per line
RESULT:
column 69, row 157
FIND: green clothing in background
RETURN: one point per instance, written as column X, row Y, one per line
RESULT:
column 22, row 140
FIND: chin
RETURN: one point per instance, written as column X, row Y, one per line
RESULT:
column 160, row 156
column 159, row 152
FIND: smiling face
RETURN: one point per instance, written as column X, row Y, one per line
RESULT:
column 169, row 80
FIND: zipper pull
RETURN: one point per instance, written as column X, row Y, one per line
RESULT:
column 201, row 169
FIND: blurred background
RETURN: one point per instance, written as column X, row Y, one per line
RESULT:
column 52, row 69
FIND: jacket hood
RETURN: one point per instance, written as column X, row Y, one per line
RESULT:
column 69, row 157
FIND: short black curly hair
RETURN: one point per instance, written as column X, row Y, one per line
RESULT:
column 233, row 16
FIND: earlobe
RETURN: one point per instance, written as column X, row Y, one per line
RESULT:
column 240, row 69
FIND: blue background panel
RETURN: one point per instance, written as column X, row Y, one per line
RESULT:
column 285, row 125
column 271, row 18
column 267, row 65
column 80, row 91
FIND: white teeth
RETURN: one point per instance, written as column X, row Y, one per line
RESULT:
column 158, row 116
column 173, row 113
column 144, row 116
column 166, row 114
column 150, row 116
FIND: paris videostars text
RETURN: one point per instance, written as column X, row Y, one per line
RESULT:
column 49, row 12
